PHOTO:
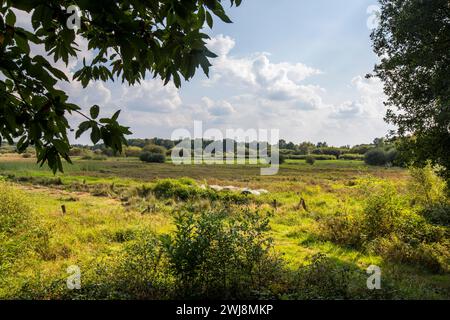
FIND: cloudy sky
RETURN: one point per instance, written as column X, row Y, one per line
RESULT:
column 293, row 65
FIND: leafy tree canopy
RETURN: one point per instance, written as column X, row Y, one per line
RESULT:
column 413, row 42
column 129, row 38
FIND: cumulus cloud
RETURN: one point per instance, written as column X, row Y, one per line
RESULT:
column 258, row 75
column 151, row 96
column 218, row 108
column 370, row 101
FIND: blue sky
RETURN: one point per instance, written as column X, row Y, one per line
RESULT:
column 293, row 65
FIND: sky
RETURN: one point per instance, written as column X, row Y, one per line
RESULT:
column 294, row 65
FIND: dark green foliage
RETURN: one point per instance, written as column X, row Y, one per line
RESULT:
column 413, row 43
column 376, row 157
column 128, row 39
column 438, row 213
column 152, row 157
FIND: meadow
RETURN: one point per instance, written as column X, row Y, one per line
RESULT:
column 158, row 231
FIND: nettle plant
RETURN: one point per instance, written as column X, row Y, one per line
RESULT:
column 128, row 39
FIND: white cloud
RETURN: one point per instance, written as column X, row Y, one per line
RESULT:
column 258, row 75
column 151, row 96
column 370, row 102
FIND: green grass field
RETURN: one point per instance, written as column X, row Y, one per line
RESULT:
column 100, row 214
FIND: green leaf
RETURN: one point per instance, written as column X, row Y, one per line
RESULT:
column 10, row 18
column 115, row 116
column 95, row 134
column 209, row 19
column 95, row 109
column 82, row 128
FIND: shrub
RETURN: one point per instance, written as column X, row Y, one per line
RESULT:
column 342, row 229
column 152, row 157
column 381, row 157
column 428, row 191
column 382, row 211
column 220, row 254
column 426, row 187
column 375, row 157
column 183, row 189
column 310, row 160
column 151, row 148
column 386, row 227
column 26, row 155
column 352, row 156
column 132, row 151
column 321, row 279
column 434, row 257
column 438, row 214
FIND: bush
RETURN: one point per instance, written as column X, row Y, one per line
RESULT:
column 151, row 148
column 310, row 160
column 321, row 279
column 428, row 191
column 26, row 155
column 183, row 189
column 342, row 229
column 220, row 254
column 381, row 157
column 386, row 227
column 153, row 157
column 352, row 156
column 133, row 151
column 438, row 214
column 382, row 212
column 375, row 157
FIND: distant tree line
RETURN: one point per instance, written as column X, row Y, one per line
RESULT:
column 380, row 152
